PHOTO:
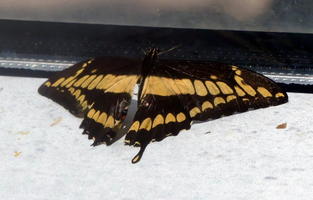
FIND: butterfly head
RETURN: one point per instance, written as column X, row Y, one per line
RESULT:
column 152, row 53
column 155, row 52
column 149, row 60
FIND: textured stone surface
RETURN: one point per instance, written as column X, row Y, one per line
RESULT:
column 243, row 156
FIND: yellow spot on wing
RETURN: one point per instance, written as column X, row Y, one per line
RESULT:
column 213, row 77
column 106, row 82
column 239, row 91
column 224, row 87
column 185, row 86
column 81, row 81
column 91, row 113
column 88, row 81
column 95, row 82
column 146, row 124
column 71, row 90
column 125, row 84
column 264, row 92
column 110, row 122
column 193, row 112
column 172, row 85
column 206, row 105
column 158, row 120
column 247, row 88
column 70, row 83
column 234, row 68
column 166, row 86
column 238, row 72
column 134, row 127
column 200, row 88
column 180, row 117
column 170, row 118
column 218, row 100
column 69, row 79
column 135, row 159
column 230, row 98
column 96, row 115
column 81, row 98
column 77, row 93
column 48, row 84
column 58, row 82
column 277, row 95
column 84, row 105
column 137, row 143
column 157, row 86
column 102, row 118
column 213, row 89
column 79, row 72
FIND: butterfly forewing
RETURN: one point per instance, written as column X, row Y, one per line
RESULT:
column 177, row 92
column 99, row 90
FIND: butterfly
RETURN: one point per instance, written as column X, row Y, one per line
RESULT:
column 172, row 94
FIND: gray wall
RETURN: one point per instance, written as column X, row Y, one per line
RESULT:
column 256, row 15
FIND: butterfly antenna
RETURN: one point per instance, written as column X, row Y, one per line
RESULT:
column 143, row 51
column 139, row 154
column 171, row 49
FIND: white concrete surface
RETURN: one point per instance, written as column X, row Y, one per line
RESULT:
column 241, row 157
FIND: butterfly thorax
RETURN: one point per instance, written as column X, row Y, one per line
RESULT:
column 149, row 61
column 148, row 64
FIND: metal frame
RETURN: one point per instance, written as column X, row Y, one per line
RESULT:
column 48, row 46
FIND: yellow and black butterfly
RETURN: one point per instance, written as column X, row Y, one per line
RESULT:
column 172, row 93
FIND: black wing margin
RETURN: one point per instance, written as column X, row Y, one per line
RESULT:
column 99, row 90
column 177, row 92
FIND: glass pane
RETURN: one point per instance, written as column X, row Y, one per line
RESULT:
column 254, row 15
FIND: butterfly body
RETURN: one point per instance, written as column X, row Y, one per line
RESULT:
column 172, row 94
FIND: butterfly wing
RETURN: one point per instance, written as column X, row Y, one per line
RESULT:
column 99, row 90
column 177, row 92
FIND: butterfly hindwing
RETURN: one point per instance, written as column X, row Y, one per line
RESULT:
column 182, row 91
column 156, row 118
column 99, row 90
